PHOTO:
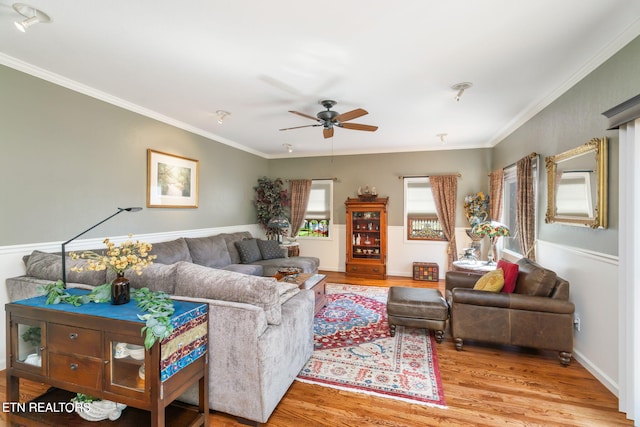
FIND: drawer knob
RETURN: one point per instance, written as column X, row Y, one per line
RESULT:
column 73, row 366
column 73, row 336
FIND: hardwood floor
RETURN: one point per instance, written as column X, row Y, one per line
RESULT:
column 483, row 385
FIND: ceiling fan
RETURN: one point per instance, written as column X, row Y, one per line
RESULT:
column 330, row 119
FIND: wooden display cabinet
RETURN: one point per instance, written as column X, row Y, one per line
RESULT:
column 367, row 238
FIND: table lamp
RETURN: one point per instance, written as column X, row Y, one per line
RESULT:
column 278, row 223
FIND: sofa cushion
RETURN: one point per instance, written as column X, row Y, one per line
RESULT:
column 156, row 277
column 252, row 269
column 43, row 265
column 171, row 252
column 286, row 291
column 510, row 275
column 269, row 249
column 231, row 239
column 197, row 281
column 534, row 279
column 249, row 251
column 271, row 266
column 493, row 281
column 209, row 251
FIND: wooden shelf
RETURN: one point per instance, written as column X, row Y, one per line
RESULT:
column 176, row 414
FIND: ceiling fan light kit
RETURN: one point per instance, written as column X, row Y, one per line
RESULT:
column 461, row 87
column 330, row 119
column 32, row 15
column 222, row 115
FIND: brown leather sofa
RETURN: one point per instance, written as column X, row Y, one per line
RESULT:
column 537, row 314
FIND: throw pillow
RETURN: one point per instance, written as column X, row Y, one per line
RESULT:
column 270, row 249
column 492, row 281
column 249, row 251
column 510, row 275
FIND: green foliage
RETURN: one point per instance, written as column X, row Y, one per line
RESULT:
column 57, row 293
column 159, row 308
column 271, row 200
column 84, row 398
column 157, row 305
column 32, row 336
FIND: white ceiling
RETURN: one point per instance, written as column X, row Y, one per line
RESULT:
column 180, row 61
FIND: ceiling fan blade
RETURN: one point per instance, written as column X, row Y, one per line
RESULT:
column 328, row 133
column 298, row 127
column 358, row 126
column 305, row 115
column 350, row 115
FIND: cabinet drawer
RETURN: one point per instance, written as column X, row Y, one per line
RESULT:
column 74, row 340
column 76, row 370
column 371, row 270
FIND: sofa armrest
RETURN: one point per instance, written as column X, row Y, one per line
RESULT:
column 482, row 298
column 250, row 318
column 459, row 279
column 23, row 287
column 511, row 301
column 541, row 304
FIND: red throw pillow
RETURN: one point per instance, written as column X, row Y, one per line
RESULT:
column 510, row 275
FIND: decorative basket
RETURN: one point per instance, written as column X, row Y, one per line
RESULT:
column 367, row 197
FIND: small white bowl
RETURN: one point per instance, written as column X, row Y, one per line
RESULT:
column 135, row 351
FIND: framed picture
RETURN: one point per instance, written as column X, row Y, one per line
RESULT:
column 172, row 181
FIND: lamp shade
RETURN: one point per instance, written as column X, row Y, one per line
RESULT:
column 279, row 222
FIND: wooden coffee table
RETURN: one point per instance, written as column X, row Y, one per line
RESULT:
column 315, row 282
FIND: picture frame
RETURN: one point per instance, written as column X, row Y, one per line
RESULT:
column 172, row 181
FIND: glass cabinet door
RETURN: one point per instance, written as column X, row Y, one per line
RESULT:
column 365, row 238
column 126, row 367
column 28, row 343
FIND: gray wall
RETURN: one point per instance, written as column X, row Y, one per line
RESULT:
column 382, row 171
column 570, row 121
column 68, row 160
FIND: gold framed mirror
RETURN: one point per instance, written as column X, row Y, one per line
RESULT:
column 577, row 185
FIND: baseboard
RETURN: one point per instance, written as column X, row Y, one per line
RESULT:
column 606, row 381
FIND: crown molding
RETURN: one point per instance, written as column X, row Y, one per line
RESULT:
column 75, row 86
column 606, row 52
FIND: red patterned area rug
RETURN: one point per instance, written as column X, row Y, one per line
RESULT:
column 355, row 352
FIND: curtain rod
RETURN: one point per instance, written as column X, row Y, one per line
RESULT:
column 458, row 174
column 315, row 179
column 532, row 156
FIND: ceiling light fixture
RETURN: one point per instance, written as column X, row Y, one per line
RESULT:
column 222, row 115
column 461, row 87
column 441, row 136
column 31, row 14
column 288, row 147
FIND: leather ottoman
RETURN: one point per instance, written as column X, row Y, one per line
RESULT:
column 417, row 308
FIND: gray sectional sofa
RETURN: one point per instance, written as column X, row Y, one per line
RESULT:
column 260, row 330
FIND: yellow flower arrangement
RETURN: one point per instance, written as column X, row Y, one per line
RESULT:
column 492, row 229
column 476, row 207
column 128, row 255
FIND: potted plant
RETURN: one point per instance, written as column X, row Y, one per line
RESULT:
column 271, row 201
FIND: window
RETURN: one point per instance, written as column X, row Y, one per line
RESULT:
column 420, row 211
column 510, row 242
column 317, row 219
column 509, row 215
